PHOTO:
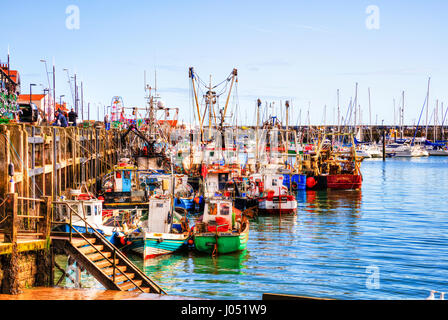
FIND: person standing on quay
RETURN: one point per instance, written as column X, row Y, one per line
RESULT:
column 106, row 122
column 72, row 115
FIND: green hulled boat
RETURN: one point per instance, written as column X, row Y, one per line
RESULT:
column 223, row 228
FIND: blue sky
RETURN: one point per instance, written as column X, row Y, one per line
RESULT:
column 298, row 50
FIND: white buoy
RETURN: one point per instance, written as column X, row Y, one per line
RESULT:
column 431, row 295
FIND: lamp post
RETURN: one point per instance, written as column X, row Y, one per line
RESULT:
column 70, row 83
column 31, row 92
column 46, row 92
column 60, row 100
column 46, row 71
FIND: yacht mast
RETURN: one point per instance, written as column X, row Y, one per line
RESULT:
column 427, row 107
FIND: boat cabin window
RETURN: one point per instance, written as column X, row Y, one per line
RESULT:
column 88, row 211
column 127, row 174
column 224, row 209
column 222, row 178
column 213, row 209
column 274, row 182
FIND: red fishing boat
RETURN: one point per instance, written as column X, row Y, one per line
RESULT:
column 344, row 181
column 339, row 165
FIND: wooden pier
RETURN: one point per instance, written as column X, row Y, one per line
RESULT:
column 38, row 166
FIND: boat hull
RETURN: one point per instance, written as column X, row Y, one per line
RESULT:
column 294, row 182
column 274, row 207
column 226, row 242
column 344, row 181
column 316, row 183
column 157, row 244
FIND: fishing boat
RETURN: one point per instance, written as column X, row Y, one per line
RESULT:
column 275, row 197
column 222, row 228
column 336, row 167
column 124, row 200
column 82, row 213
column 156, row 234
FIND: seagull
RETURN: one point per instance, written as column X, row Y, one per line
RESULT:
column 431, row 295
column 442, row 295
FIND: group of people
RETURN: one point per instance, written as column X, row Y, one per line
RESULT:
column 60, row 119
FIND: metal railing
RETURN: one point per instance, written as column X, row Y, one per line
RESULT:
column 115, row 251
column 19, row 222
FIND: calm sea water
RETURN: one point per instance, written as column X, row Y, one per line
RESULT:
column 387, row 241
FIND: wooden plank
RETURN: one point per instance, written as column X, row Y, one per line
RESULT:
column 11, row 223
column 23, row 246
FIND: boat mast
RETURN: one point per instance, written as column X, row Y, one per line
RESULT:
column 339, row 114
column 256, row 134
column 370, row 117
column 427, row 107
column 191, row 75
column 287, row 129
column 355, row 104
column 234, row 75
column 402, row 116
column 436, row 111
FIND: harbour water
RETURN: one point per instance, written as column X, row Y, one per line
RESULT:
column 387, row 241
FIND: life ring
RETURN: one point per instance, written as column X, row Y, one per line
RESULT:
column 294, row 186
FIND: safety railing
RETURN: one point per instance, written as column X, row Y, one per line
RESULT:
column 18, row 222
column 115, row 251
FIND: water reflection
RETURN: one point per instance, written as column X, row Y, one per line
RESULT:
column 232, row 263
column 330, row 201
column 397, row 222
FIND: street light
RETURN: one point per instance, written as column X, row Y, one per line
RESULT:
column 70, row 83
column 31, row 91
column 60, row 100
column 45, row 102
column 46, row 71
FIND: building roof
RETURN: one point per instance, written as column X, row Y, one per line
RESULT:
column 34, row 97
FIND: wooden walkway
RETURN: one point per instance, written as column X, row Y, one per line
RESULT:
column 23, row 244
column 87, row 294
column 106, row 263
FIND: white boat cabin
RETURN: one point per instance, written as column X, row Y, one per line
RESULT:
column 218, row 208
column 90, row 210
column 264, row 182
column 215, row 182
column 159, row 211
